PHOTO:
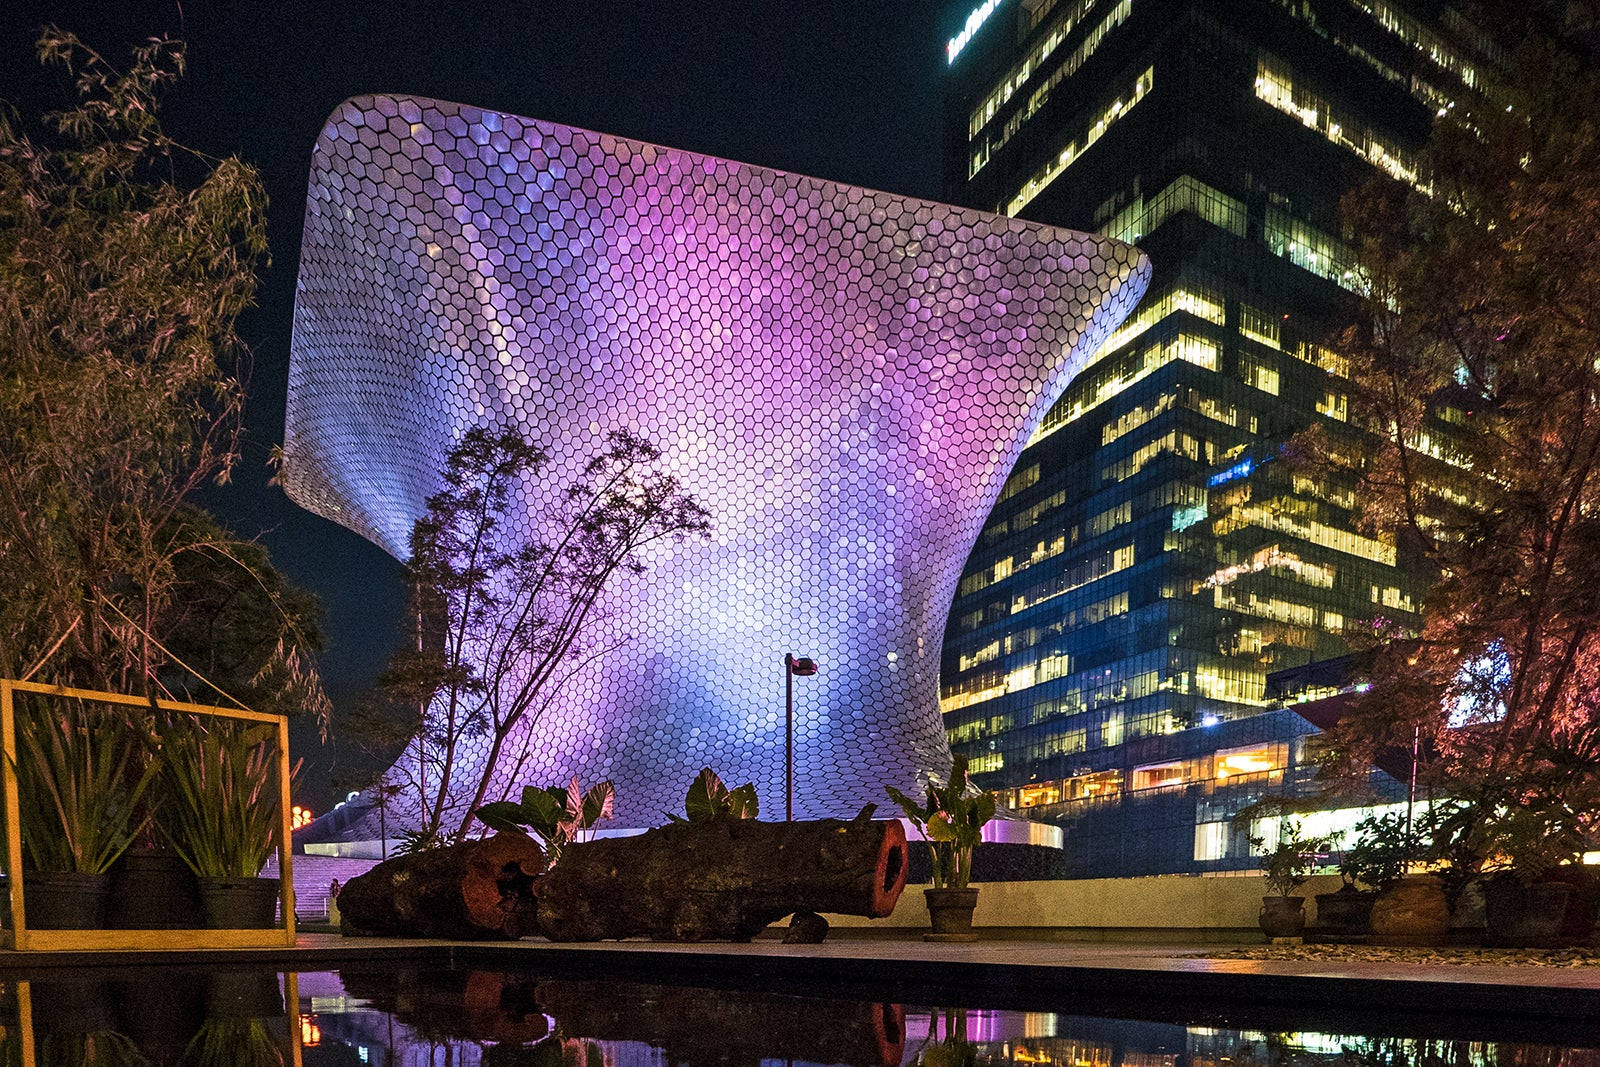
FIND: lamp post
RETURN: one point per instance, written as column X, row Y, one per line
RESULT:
column 805, row 667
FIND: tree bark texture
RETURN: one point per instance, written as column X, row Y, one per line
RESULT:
column 721, row 879
column 470, row 891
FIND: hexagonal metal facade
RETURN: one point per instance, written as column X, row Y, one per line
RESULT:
column 843, row 377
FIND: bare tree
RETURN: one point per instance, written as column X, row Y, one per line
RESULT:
column 499, row 628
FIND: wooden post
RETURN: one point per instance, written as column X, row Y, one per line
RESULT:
column 8, row 740
column 285, row 834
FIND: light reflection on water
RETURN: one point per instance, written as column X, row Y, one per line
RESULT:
column 400, row 1015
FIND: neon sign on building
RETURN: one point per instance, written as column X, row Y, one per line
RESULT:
column 974, row 22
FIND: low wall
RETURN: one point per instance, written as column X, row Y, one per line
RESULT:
column 1164, row 908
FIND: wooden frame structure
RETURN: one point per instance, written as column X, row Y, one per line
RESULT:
column 22, row 938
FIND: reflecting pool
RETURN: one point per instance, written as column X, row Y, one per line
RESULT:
column 397, row 1014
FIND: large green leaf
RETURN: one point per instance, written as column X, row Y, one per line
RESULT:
column 706, row 794
column 741, row 803
column 502, row 815
column 597, row 804
column 915, row 812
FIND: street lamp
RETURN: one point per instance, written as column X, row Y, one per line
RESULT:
column 805, row 667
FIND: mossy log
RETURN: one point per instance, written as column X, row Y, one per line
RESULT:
column 721, row 879
column 475, row 890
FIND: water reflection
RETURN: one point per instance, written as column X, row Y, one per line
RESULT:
column 411, row 1017
column 151, row 1018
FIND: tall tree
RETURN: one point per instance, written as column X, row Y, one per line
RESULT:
column 1477, row 373
column 500, row 624
column 125, row 260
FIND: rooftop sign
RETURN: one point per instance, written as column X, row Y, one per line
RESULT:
column 979, row 16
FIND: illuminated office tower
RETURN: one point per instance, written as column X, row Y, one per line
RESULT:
column 1154, row 556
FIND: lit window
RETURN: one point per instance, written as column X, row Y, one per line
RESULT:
column 1030, row 796
column 1250, row 759
column 1159, row 775
column 1075, row 149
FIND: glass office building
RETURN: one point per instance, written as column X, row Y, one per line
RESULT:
column 1158, row 551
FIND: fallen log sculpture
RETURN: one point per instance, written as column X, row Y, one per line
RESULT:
column 705, row 1027
column 446, row 1003
column 469, row 891
column 721, row 878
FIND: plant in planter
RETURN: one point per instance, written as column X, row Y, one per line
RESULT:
column 220, row 815
column 1525, row 898
column 555, row 816
column 80, row 779
column 1287, row 865
column 952, row 824
column 1373, row 863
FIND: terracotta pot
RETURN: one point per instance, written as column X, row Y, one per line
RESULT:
column 1347, row 913
column 951, row 913
column 1413, row 911
column 238, row 903
column 1523, row 916
column 1283, row 916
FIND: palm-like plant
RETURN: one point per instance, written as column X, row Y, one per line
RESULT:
column 96, row 1048
column 234, row 1043
column 80, row 779
column 952, row 823
column 220, row 813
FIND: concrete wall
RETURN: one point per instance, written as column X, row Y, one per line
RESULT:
column 1166, row 907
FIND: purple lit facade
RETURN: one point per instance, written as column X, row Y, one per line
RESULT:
column 843, row 377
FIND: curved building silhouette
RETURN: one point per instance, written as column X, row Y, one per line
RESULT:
column 843, row 377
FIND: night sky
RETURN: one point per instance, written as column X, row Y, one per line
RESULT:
column 848, row 91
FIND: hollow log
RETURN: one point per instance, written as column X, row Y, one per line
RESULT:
column 708, row 1027
column 721, row 879
column 474, row 890
column 468, row 1005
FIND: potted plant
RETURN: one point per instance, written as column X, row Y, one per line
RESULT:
column 151, row 887
column 80, row 778
column 1376, row 861
column 95, row 1048
column 952, row 824
column 1532, row 828
column 220, row 815
column 1287, row 865
column 709, row 798
column 1524, row 903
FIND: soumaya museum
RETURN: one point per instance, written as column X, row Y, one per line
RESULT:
column 1017, row 485
column 845, row 376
